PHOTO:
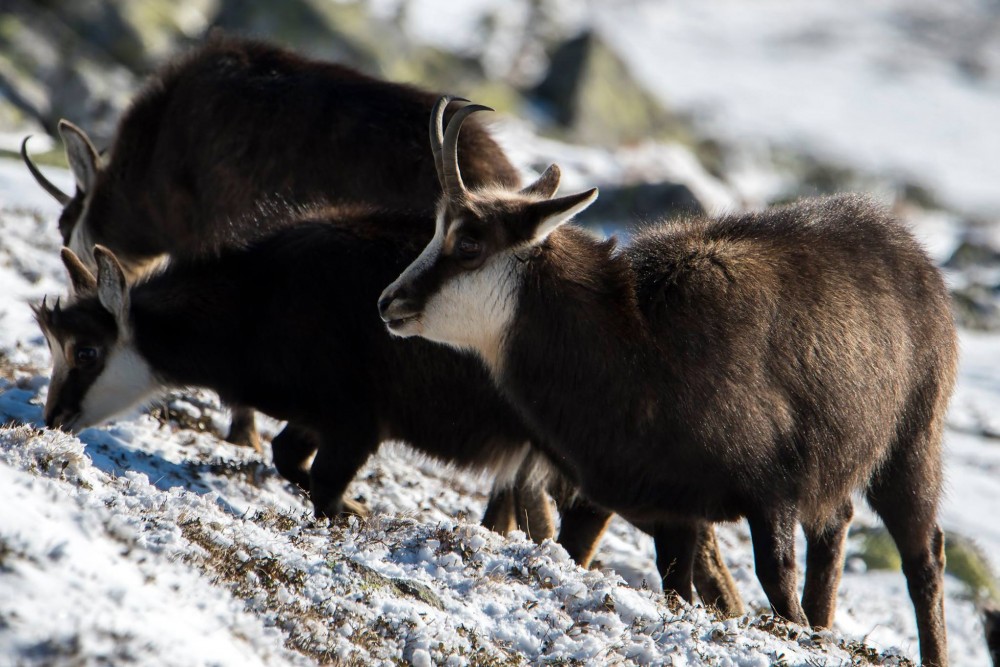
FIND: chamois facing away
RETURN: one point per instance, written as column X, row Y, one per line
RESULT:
column 759, row 366
column 237, row 122
column 309, row 349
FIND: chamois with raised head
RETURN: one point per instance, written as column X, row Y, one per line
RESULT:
column 235, row 123
column 287, row 325
column 760, row 366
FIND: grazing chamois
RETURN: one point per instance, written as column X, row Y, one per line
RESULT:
column 235, row 123
column 759, row 366
column 287, row 325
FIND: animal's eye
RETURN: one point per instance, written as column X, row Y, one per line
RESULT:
column 86, row 355
column 468, row 248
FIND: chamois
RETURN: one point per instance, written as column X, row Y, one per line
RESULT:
column 234, row 123
column 286, row 324
column 759, row 366
column 237, row 122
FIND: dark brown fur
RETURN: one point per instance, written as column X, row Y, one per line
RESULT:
column 778, row 361
column 760, row 366
column 238, row 122
column 282, row 325
column 223, row 131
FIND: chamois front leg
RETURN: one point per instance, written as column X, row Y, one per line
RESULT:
column 991, row 627
column 688, row 553
column 675, row 552
column 243, row 428
column 291, row 451
column 773, row 536
column 342, row 452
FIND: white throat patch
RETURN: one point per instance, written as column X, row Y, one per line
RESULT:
column 474, row 310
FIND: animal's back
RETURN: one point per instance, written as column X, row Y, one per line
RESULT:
column 809, row 329
column 236, row 122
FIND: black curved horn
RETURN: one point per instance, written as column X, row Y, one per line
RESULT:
column 47, row 185
column 451, row 180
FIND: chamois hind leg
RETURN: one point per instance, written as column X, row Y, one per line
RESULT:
column 243, row 428
column 675, row 551
column 342, row 451
column 905, row 494
column 712, row 578
column 291, row 451
column 773, row 536
column 583, row 524
column 824, row 565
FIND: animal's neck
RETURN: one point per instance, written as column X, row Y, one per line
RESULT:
column 111, row 221
column 579, row 349
column 188, row 324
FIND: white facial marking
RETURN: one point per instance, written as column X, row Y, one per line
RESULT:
column 474, row 309
column 429, row 255
column 125, row 382
column 424, row 261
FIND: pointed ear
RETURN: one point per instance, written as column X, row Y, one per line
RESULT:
column 112, row 289
column 82, row 281
column 83, row 158
column 547, row 183
column 554, row 212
